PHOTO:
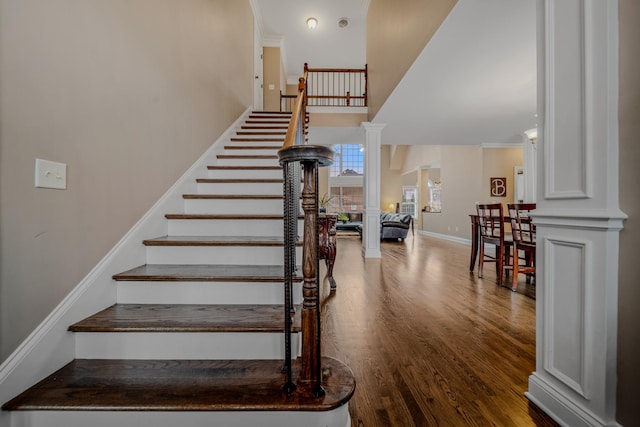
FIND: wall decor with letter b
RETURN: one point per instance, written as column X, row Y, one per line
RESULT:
column 498, row 187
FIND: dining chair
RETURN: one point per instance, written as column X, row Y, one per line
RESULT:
column 523, row 231
column 491, row 224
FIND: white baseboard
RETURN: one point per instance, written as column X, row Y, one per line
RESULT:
column 445, row 237
column 564, row 411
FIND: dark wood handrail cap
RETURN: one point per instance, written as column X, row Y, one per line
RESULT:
column 299, row 153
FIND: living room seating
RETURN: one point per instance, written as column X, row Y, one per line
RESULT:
column 395, row 225
column 353, row 223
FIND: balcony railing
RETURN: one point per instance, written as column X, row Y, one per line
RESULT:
column 331, row 87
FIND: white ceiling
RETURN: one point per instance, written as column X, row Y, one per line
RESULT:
column 474, row 83
column 283, row 23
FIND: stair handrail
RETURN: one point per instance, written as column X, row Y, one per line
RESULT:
column 295, row 131
column 294, row 154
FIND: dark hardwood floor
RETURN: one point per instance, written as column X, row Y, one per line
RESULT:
column 430, row 344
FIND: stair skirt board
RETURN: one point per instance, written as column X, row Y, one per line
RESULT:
column 240, row 188
column 184, row 345
column 254, row 255
column 338, row 417
column 228, row 227
column 184, row 292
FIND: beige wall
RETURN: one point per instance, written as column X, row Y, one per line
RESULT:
column 463, row 172
column 337, row 119
column 390, row 181
column 272, row 73
column 629, row 290
column 397, row 31
column 128, row 95
column 499, row 162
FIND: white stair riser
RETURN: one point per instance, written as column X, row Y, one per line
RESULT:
column 240, row 188
column 228, row 227
column 183, row 345
column 248, row 162
column 338, row 417
column 234, row 206
column 245, row 173
column 230, row 255
column 275, row 144
column 271, row 151
column 268, row 122
column 205, row 292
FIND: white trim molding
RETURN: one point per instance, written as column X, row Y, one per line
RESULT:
column 577, row 217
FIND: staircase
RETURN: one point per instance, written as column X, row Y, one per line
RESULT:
column 196, row 335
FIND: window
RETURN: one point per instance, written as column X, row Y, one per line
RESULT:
column 346, row 179
column 409, row 201
column 346, row 199
column 348, row 160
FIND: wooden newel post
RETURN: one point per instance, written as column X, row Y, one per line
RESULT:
column 310, row 288
column 311, row 157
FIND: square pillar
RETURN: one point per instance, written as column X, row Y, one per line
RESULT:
column 577, row 217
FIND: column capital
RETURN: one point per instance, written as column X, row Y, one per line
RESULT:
column 370, row 126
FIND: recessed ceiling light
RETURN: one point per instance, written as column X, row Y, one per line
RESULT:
column 343, row 22
column 312, row 23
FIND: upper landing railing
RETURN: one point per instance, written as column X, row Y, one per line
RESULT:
column 331, row 87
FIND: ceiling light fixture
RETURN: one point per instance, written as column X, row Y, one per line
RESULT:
column 312, row 23
column 532, row 134
column 343, row 22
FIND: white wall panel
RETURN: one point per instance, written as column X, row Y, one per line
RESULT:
column 566, row 162
column 567, row 280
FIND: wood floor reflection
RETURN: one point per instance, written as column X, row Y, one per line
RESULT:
column 430, row 344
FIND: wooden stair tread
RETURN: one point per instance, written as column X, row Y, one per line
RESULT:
column 268, row 122
column 266, row 132
column 238, row 180
column 216, row 241
column 230, row 167
column 182, row 385
column 187, row 318
column 247, row 156
column 270, row 116
column 256, row 139
column 252, row 147
column 226, row 216
column 203, row 273
column 233, row 196
column 263, row 127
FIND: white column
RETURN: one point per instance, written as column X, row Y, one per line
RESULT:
column 371, row 217
column 578, row 216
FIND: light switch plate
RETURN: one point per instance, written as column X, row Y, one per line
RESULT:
column 51, row 174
